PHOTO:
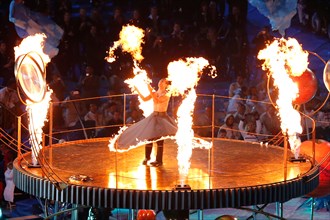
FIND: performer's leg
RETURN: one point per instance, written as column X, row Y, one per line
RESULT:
column 148, row 149
column 159, row 156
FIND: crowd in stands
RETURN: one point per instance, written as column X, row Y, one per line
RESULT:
column 213, row 29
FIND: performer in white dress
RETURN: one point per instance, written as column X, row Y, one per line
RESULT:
column 156, row 126
column 8, row 193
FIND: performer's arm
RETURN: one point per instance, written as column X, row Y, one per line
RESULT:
column 145, row 98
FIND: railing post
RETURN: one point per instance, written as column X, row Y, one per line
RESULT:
column 124, row 116
column 50, row 143
column 19, row 137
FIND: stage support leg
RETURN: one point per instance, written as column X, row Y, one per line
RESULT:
column 312, row 208
column 55, row 209
column 131, row 214
column 74, row 212
column 200, row 214
column 279, row 209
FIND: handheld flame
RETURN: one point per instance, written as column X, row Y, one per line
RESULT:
column 141, row 81
column 285, row 58
column 130, row 40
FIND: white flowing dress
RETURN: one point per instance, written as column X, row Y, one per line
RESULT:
column 8, row 193
column 157, row 126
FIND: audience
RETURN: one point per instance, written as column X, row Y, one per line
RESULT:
column 230, row 127
column 171, row 32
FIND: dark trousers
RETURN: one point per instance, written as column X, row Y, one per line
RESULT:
column 159, row 155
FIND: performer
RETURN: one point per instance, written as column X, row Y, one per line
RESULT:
column 8, row 193
column 28, row 23
column 152, row 128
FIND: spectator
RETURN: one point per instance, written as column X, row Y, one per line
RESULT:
column 137, row 20
column 222, row 133
column 94, row 115
column 239, row 96
column 136, row 115
column 177, row 42
column 108, row 110
column 115, row 24
column 89, row 84
column 240, row 81
column 113, row 126
column 95, row 50
column 271, row 124
column 237, row 48
column 58, row 86
column 203, row 122
column 157, row 55
column 8, row 193
column 231, row 128
column 6, row 62
column 9, row 96
column 323, row 123
column 240, row 113
column 153, row 21
column 73, row 111
column 250, row 130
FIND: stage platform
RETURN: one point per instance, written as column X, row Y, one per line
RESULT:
column 231, row 174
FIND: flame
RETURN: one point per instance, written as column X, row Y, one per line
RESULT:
column 141, row 81
column 130, row 40
column 285, row 58
column 32, row 43
column 37, row 111
column 184, row 76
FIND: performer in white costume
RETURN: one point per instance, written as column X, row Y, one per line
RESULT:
column 8, row 193
column 155, row 127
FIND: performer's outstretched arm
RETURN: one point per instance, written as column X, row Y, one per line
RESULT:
column 145, row 98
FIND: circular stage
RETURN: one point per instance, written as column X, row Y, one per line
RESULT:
column 231, row 174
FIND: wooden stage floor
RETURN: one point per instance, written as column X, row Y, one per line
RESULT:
column 229, row 164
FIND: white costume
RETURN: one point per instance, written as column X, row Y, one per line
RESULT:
column 8, row 193
column 155, row 126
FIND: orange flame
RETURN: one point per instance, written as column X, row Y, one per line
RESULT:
column 285, row 58
column 37, row 112
column 141, row 81
column 32, row 43
column 184, row 76
column 130, row 40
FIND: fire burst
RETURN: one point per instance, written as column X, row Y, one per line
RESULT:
column 38, row 95
column 130, row 40
column 184, row 76
column 286, row 58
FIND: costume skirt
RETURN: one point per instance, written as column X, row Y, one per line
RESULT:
column 153, row 127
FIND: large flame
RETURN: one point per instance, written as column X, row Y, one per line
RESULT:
column 141, row 81
column 130, row 40
column 37, row 112
column 33, row 43
column 285, row 58
column 184, row 76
